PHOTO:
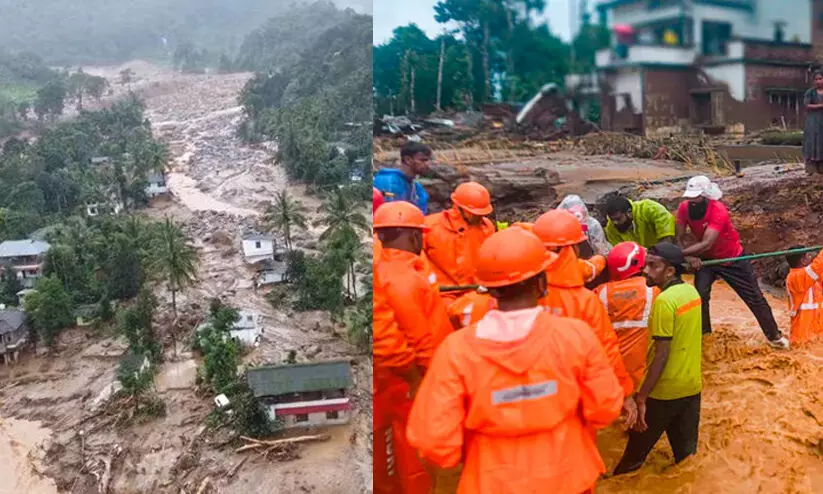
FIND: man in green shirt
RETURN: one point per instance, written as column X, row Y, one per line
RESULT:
column 669, row 397
column 645, row 222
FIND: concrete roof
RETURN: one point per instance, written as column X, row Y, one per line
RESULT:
column 11, row 320
column 258, row 236
column 23, row 248
column 282, row 379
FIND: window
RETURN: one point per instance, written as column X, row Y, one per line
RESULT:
column 788, row 101
column 301, row 417
column 715, row 37
column 332, row 415
column 257, row 245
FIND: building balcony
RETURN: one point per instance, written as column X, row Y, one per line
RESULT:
column 643, row 54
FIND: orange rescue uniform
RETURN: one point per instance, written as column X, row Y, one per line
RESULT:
column 393, row 356
column 568, row 297
column 451, row 247
column 629, row 304
column 518, row 414
column 806, row 301
column 404, row 285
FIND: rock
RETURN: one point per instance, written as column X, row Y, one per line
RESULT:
column 312, row 351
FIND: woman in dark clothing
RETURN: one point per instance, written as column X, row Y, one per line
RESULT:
column 813, row 132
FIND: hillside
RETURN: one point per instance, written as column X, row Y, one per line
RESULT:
column 99, row 31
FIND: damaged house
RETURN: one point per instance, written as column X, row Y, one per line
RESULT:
column 304, row 395
column 717, row 65
column 24, row 258
column 13, row 334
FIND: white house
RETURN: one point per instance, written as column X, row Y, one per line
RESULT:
column 258, row 247
column 157, row 185
column 247, row 329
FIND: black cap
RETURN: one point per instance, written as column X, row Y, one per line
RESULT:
column 670, row 253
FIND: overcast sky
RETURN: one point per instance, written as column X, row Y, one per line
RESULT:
column 389, row 14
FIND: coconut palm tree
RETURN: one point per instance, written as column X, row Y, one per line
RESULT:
column 339, row 212
column 176, row 259
column 284, row 214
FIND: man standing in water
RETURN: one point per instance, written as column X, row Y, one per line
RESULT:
column 669, row 398
column 709, row 221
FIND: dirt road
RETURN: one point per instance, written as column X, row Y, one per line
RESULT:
column 219, row 191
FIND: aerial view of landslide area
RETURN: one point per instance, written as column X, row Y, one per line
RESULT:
column 250, row 111
column 761, row 425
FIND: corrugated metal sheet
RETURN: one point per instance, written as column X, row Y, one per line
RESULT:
column 299, row 378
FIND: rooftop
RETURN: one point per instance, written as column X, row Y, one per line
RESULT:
column 282, row 379
column 258, row 236
column 23, row 248
column 11, row 320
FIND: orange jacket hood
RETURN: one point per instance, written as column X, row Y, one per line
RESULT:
column 513, row 355
column 565, row 271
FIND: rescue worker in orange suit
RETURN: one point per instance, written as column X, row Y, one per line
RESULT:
column 455, row 236
column 628, row 300
column 516, row 396
column 376, row 201
column 591, row 267
column 567, row 296
column 403, row 284
column 803, row 284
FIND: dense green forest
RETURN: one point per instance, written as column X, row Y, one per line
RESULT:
column 316, row 104
column 497, row 53
column 54, row 177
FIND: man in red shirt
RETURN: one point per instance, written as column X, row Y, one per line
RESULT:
column 716, row 238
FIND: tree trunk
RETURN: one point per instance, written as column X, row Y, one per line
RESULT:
column 437, row 105
column 174, row 302
column 353, row 280
column 411, row 95
column 487, row 77
column 470, row 67
column 510, row 59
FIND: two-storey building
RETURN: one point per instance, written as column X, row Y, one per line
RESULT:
column 720, row 65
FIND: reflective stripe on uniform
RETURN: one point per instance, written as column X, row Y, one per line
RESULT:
column 808, row 305
column 604, row 296
column 642, row 323
column 811, row 273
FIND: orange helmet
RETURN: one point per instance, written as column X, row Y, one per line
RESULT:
column 529, row 227
column 399, row 214
column 559, row 228
column 376, row 199
column 472, row 197
column 626, row 259
column 511, row 256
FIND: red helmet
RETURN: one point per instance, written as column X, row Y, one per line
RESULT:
column 376, row 199
column 626, row 259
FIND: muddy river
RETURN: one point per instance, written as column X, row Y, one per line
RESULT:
column 20, row 453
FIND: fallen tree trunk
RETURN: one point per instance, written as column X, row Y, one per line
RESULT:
column 258, row 443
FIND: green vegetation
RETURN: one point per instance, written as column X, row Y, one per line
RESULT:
column 782, row 137
column 318, row 108
column 312, row 94
column 53, row 178
column 499, row 44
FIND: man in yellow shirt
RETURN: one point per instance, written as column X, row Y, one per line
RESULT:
column 669, row 397
column 644, row 222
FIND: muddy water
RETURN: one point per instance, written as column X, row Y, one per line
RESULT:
column 184, row 189
column 19, row 440
column 761, row 425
